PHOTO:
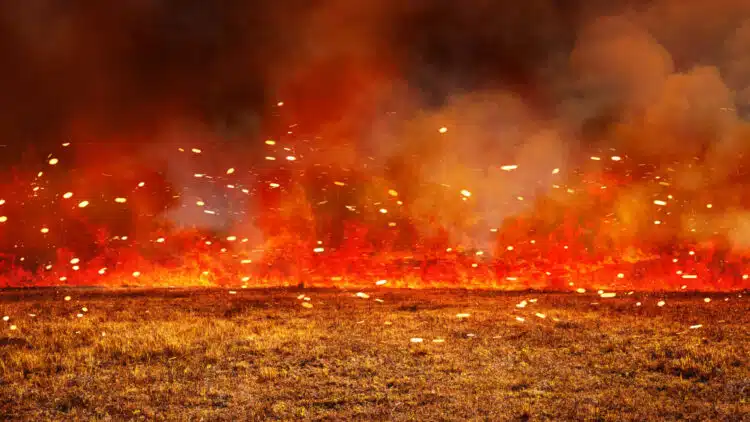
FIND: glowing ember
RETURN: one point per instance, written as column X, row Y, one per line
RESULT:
column 594, row 227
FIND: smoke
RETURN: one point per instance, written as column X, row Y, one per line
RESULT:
column 533, row 84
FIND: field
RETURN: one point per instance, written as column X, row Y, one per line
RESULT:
column 213, row 354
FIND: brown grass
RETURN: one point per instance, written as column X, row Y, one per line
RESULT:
column 209, row 355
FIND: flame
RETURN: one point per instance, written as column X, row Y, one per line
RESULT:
column 604, row 224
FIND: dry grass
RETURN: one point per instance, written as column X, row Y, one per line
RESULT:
column 209, row 355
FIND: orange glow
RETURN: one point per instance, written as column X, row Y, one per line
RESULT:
column 325, row 216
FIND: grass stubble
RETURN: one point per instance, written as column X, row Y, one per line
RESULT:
column 216, row 354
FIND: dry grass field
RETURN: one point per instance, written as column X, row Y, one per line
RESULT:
column 212, row 354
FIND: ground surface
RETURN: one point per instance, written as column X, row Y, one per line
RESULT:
column 257, row 354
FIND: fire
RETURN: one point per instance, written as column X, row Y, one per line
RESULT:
column 296, row 214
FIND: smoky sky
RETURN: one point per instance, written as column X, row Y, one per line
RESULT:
column 91, row 70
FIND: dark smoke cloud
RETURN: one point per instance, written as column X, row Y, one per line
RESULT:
column 91, row 70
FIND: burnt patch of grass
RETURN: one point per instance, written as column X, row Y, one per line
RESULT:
column 14, row 342
column 69, row 402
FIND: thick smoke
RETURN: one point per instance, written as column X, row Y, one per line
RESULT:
column 541, row 84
